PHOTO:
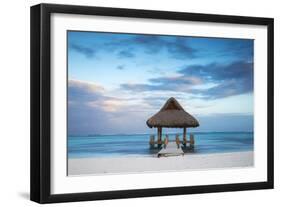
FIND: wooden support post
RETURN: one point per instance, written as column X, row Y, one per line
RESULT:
column 184, row 133
column 159, row 137
column 161, row 133
column 158, row 133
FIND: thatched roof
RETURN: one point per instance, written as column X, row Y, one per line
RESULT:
column 172, row 115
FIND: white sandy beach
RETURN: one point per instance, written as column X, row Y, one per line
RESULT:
column 83, row 166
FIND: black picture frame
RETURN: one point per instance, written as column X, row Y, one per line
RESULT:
column 41, row 98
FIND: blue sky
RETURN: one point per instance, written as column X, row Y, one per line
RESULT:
column 117, row 81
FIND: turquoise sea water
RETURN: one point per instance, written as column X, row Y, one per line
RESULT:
column 138, row 144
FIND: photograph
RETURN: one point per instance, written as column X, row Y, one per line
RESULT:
column 139, row 103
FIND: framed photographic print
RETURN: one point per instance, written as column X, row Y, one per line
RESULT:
column 133, row 103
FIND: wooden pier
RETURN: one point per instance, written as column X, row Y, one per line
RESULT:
column 170, row 150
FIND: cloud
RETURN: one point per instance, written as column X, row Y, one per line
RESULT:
column 176, row 83
column 175, row 47
column 121, row 67
column 91, row 95
column 81, row 91
column 231, row 79
column 91, row 111
column 226, row 88
column 243, row 48
column 130, row 45
column 180, row 50
column 82, row 118
column 227, row 79
column 126, row 54
column 150, row 43
column 86, row 51
column 217, row 72
column 89, row 107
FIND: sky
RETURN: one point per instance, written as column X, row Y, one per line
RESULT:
column 117, row 81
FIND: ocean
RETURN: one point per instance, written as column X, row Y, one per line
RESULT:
column 138, row 144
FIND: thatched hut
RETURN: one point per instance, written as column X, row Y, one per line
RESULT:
column 172, row 115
